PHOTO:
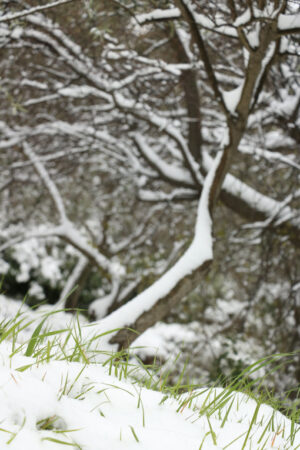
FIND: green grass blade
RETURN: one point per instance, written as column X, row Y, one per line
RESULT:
column 34, row 338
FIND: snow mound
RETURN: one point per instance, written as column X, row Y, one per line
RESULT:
column 59, row 403
column 50, row 402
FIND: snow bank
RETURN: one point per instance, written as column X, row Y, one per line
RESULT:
column 46, row 403
column 57, row 403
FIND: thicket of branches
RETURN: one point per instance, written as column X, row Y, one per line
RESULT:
column 160, row 142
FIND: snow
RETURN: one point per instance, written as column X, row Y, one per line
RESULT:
column 284, row 44
column 10, row 308
column 4, row 266
column 224, row 309
column 34, row 84
column 270, row 155
column 162, row 125
column 158, row 14
column 45, row 404
column 253, row 198
column 253, row 37
column 76, row 239
column 243, row 18
column 11, row 16
column 269, row 12
column 267, row 58
column 232, row 98
column 174, row 13
column 36, row 291
column 286, row 108
column 17, row 33
column 50, row 269
column 28, row 254
column 160, row 196
column 52, row 189
column 168, row 171
column 204, row 21
column 288, row 22
column 72, row 280
column 79, row 91
column 99, row 307
column 117, row 270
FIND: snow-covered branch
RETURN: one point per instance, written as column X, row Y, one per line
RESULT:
column 179, row 194
column 66, row 230
column 145, row 309
column 20, row 14
column 175, row 175
column 157, row 15
column 253, row 198
column 51, row 187
column 72, row 281
column 162, row 124
column 289, row 23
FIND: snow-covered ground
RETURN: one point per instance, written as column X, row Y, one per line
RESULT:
column 50, row 403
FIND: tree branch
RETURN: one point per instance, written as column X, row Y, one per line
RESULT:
column 12, row 16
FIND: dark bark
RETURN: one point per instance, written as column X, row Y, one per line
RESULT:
column 192, row 99
column 126, row 336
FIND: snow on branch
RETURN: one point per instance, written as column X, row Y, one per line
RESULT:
column 66, row 230
column 51, row 157
column 75, row 57
column 18, row 15
column 252, row 197
column 289, row 23
column 137, row 236
column 217, row 26
column 10, row 142
column 99, row 307
column 239, row 100
column 37, row 233
column 196, row 256
column 168, row 172
column 243, row 19
column 158, row 14
column 269, row 155
column 179, row 194
column 276, row 217
column 115, row 54
column 65, row 48
column 51, row 187
column 71, row 235
column 162, row 124
column 72, row 280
